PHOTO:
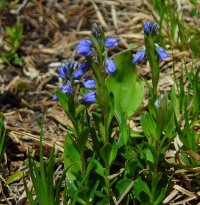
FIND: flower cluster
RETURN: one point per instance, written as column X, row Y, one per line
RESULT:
column 85, row 48
column 73, row 73
column 150, row 28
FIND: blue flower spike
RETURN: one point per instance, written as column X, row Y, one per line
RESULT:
column 66, row 89
column 162, row 54
column 89, row 97
column 111, row 42
column 139, row 56
column 110, row 66
column 63, row 71
column 89, row 83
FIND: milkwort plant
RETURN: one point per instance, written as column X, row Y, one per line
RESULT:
column 105, row 161
column 116, row 93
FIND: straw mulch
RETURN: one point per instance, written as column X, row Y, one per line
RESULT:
column 52, row 29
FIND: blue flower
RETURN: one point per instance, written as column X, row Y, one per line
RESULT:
column 84, row 50
column 110, row 66
column 150, row 28
column 66, row 89
column 161, row 53
column 63, row 71
column 89, row 83
column 154, row 29
column 82, row 70
column 84, row 47
column 147, row 27
column 85, row 42
column 54, row 98
column 111, row 42
column 89, row 97
column 139, row 56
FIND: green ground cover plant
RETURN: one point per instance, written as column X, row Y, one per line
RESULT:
column 11, row 44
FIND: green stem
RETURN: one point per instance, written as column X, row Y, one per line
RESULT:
column 153, row 61
column 106, row 178
column 83, row 164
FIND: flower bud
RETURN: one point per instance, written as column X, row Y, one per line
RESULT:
column 111, row 42
column 63, row 71
column 162, row 54
column 139, row 56
column 89, row 83
column 66, row 89
column 110, row 66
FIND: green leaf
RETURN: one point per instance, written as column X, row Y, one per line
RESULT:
column 72, row 159
column 131, row 166
column 104, row 201
column 122, row 186
column 80, row 108
column 99, row 169
column 141, row 191
column 154, row 183
column 113, row 153
column 128, row 91
column 149, row 127
column 159, row 188
column 82, row 139
column 109, row 152
column 58, row 188
column 2, row 137
column 18, row 31
column 161, row 194
column 63, row 99
column 28, row 194
column 124, row 136
column 106, row 152
column 149, row 155
column 10, row 31
column 96, row 142
column 16, row 176
column 71, row 188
